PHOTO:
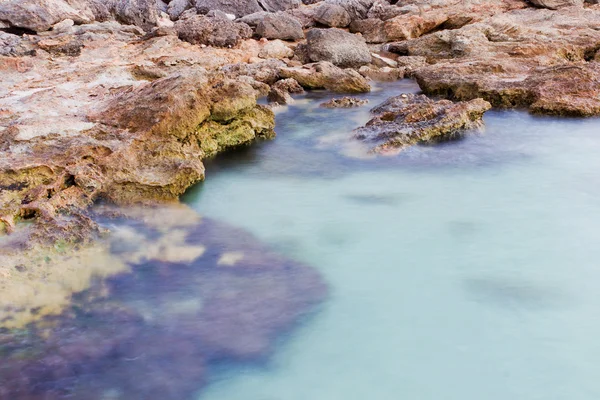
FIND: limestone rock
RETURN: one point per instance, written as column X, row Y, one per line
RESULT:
column 279, row 5
column 239, row 8
column 338, row 47
column 325, row 75
column 281, row 91
column 276, row 49
column 357, row 9
column 142, row 13
column 556, row 4
column 344, row 102
column 410, row 119
column 177, row 7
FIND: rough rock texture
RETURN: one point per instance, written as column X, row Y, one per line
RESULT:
column 344, row 102
column 212, row 31
column 410, row 119
column 324, row 75
column 556, row 4
column 338, row 47
column 516, row 59
column 142, row 13
column 279, row 26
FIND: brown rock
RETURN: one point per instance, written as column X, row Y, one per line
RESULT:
column 324, row 75
column 218, row 32
column 344, row 102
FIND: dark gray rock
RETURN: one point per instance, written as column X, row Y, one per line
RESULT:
column 177, row 7
column 212, row 31
column 279, row 26
column 332, row 15
column 358, row 9
column 13, row 45
column 239, row 8
column 338, row 47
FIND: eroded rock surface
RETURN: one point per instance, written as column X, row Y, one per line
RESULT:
column 410, row 119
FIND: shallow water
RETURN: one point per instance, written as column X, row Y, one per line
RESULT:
column 465, row 270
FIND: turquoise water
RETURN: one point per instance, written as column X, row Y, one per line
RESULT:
column 465, row 270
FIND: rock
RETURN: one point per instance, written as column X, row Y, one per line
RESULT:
column 371, row 30
column 412, row 26
column 13, row 45
column 40, row 15
column 279, row 5
column 357, row 9
column 383, row 10
column 177, row 7
column 215, row 31
column 304, row 15
column 344, row 102
column 325, row 75
column 266, row 71
column 239, row 8
column 409, row 119
column 279, row 26
column 65, row 26
column 332, row 15
column 381, row 74
column 281, row 90
column 276, row 49
column 142, row 13
column 66, row 45
column 338, row 47
column 381, row 61
column 556, row 4
column 411, row 63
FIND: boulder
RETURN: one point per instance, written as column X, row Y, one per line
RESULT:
column 338, row 47
column 409, row 119
column 332, row 15
column 40, row 15
column 357, row 9
column 344, row 102
column 325, row 75
column 371, row 29
column 275, row 49
column 556, row 4
column 13, row 45
column 215, row 31
column 279, row 26
column 177, row 7
column 239, row 8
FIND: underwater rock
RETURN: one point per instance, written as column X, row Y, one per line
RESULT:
column 155, row 329
column 409, row 119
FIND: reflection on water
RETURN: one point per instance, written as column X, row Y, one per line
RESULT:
column 463, row 270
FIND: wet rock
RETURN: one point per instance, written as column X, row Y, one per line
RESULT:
column 281, row 90
column 332, row 15
column 410, row 119
column 337, row 47
column 239, row 8
column 40, row 15
column 215, row 31
column 344, row 102
column 556, row 4
column 324, row 75
column 279, row 26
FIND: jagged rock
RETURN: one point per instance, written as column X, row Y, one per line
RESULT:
column 332, row 15
column 304, row 15
column 325, row 75
column 281, row 91
column 215, row 31
column 279, row 26
column 13, row 45
column 381, row 61
column 371, row 29
column 338, row 47
column 177, row 7
column 410, row 119
column 40, row 15
column 344, row 102
column 239, row 8
column 267, row 71
column 383, row 10
column 66, row 45
column 556, row 4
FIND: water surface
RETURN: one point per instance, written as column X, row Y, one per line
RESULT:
column 465, row 270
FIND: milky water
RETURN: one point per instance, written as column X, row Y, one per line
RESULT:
column 465, row 270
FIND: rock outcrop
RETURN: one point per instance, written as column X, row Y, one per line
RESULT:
column 409, row 119
column 324, row 75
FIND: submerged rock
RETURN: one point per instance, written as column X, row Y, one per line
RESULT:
column 154, row 330
column 410, row 119
column 344, row 102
